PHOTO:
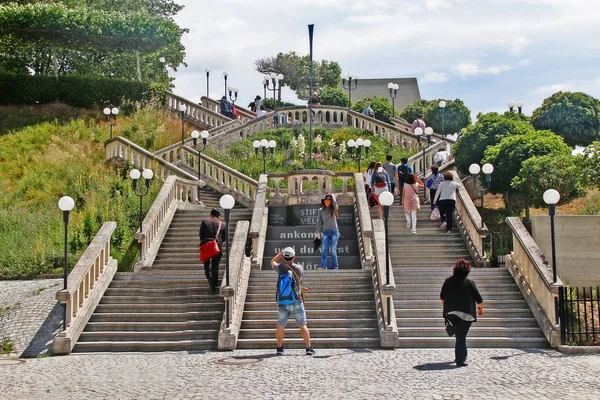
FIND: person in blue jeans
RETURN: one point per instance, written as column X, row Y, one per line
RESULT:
column 327, row 221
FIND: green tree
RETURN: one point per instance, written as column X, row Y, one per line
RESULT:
column 333, row 96
column 573, row 115
column 381, row 106
column 456, row 116
column 414, row 110
column 589, row 163
column 540, row 173
column 296, row 72
column 489, row 129
column 508, row 156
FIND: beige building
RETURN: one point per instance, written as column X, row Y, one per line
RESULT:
column 407, row 92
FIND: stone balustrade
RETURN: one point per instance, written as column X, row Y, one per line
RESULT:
column 258, row 225
column 196, row 113
column 86, row 285
column 416, row 160
column 175, row 193
column 363, row 222
column 309, row 187
column 235, row 294
column 244, row 114
column 533, row 276
column 470, row 224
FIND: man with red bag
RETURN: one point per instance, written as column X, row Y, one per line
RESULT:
column 211, row 229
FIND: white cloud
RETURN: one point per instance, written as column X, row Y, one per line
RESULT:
column 434, row 77
column 473, row 69
column 517, row 45
column 550, row 89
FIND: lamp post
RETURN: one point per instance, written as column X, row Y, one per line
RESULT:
column 207, row 70
column 182, row 109
column 233, row 90
column 551, row 197
column 487, row 169
column 66, row 204
column 111, row 117
column 225, row 74
column 263, row 145
column 276, row 80
column 227, row 202
column 265, row 83
column 519, row 104
column 135, row 174
column 347, row 80
column 162, row 61
column 442, row 105
column 386, row 199
column 195, row 136
column 425, row 142
column 355, row 149
column 393, row 93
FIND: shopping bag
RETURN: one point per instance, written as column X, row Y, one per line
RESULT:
column 435, row 214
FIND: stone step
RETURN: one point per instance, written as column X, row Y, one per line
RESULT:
column 354, row 296
column 140, row 346
column 312, row 289
column 160, row 283
column 314, row 304
column 116, row 336
column 435, row 288
column 153, row 326
column 437, row 312
column 331, row 313
column 492, row 296
column 489, row 304
column 315, row 323
column 315, row 333
column 473, row 342
column 128, row 291
column 111, row 299
column 213, row 315
column 485, row 321
column 432, row 279
column 319, row 343
column 159, row 308
column 475, row 331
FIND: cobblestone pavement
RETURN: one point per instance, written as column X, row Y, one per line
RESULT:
column 331, row 374
column 30, row 315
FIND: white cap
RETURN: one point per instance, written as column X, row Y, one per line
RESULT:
column 288, row 252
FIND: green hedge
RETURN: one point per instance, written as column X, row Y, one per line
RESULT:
column 80, row 91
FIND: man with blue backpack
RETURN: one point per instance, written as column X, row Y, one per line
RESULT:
column 289, row 297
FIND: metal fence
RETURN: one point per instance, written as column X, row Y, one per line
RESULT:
column 580, row 315
column 497, row 245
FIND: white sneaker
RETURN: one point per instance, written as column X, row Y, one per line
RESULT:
column 443, row 225
column 413, row 232
column 408, row 225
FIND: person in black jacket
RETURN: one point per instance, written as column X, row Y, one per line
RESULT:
column 208, row 232
column 459, row 295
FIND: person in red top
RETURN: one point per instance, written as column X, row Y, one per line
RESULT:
column 208, row 231
column 418, row 123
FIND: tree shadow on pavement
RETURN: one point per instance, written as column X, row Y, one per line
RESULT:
column 41, row 344
column 435, row 366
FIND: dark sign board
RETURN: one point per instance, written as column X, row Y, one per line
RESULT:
column 305, row 233
column 312, row 262
column 305, row 215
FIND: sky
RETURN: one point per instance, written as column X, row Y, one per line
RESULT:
column 484, row 52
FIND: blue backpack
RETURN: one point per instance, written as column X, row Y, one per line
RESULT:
column 286, row 293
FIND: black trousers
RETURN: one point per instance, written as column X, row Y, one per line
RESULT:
column 462, row 328
column 446, row 210
column 432, row 193
column 211, row 270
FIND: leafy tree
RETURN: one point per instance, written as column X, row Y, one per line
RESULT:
column 381, row 106
column 456, row 116
column 589, row 163
column 574, row 116
column 296, row 72
column 540, row 173
column 489, row 129
column 413, row 110
column 333, row 96
column 508, row 156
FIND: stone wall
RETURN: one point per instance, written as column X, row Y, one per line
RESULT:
column 577, row 247
column 407, row 92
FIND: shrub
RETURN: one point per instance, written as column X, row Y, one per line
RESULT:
column 381, row 106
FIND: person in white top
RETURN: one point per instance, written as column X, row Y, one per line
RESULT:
column 368, row 175
column 440, row 157
column 445, row 199
column 260, row 112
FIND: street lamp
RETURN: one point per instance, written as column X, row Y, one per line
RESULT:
column 487, row 169
column 349, row 78
column 66, row 204
column 182, row 109
column 442, row 105
column 265, row 84
column 162, row 61
column 263, row 145
column 276, row 80
column 235, row 91
column 551, row 197
column 225, row 74
column 135, row 174
column 519, row 104
column 195, row 136
column 227, row 202
column 393, row 93
column 207, row 70
column 425, row 142
column 386, row 199
column 355, row 149
column 111, row 117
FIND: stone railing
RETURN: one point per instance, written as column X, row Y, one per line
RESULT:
column 235, row 294
column 121, row 150
column 196, row 114
column 416, row 160
column 87, row 283
column 244, row 114
column 470, row 225
column 363, row 223
column 533, row 275
column 221, row 177
column 258, row 225
column 176, row 193
column 309, row 187
column 225, row 139
column 407, row 127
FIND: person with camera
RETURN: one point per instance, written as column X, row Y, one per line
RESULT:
column 289, row 297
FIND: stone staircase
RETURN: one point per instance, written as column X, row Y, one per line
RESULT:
column 340, row 310
column 422, row 262
column 168, row 307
